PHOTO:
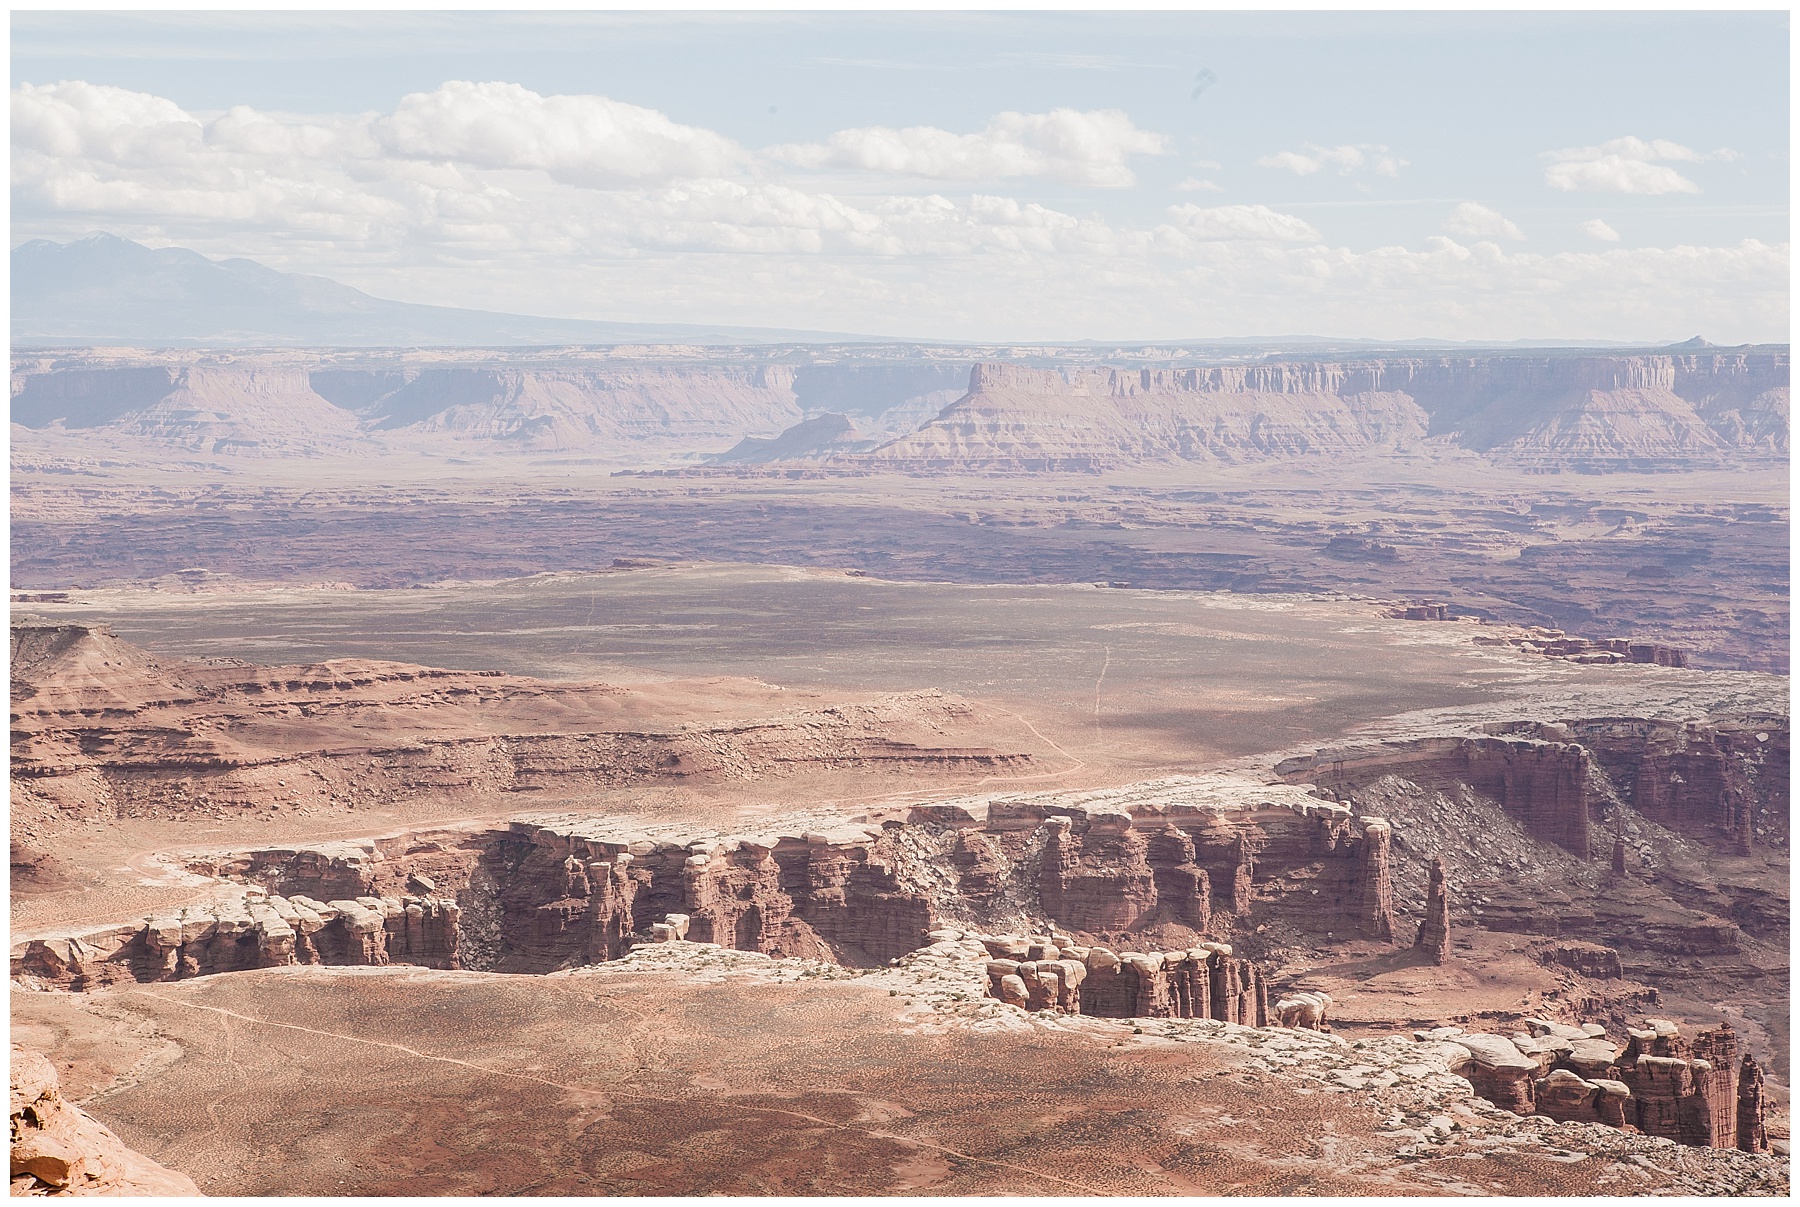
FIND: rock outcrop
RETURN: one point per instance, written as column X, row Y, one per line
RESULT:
column 1542, row 782
column 1684, row 1090
column 58, row 1149
column 1201, row 982
column 1753, row 1130
column 1722, row 779
column 1303, row 1009
column 536, row 896
column 1433, row 939
column 1377, row 913
column 1718, row 781
column 1706, row 1092
column 253, row 931
column 811, row 439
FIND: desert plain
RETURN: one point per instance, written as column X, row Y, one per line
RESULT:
column 469, row 792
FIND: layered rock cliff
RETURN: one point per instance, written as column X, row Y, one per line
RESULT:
column 102, row 728
column 1704, row 1092
column 1588, row 411
column 1545, row 412
column 1022, row 419
column 1151, row 901
column 347, row 404
column 1722, row 780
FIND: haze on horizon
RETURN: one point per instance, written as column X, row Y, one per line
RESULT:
column 948, row 176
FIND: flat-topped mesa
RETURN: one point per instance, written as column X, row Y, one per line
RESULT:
column 1601, row 412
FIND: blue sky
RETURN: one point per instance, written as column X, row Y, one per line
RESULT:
column 1161, row 175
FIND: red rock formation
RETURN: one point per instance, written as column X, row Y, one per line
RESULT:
column 1433, row 939
column 1591, row 960
column 1098, row 881
column 1753, row 1132
column 978, row 864
column 1724, row 780
column 58, row 1149
column 1243, row 875
column 1660, row 1084
column 258, row 931
column 1201, row 982
column 1682, row 1091
column 1377, row 915
column 1566, row 1097
column 1656, row 655
column 1181, row 885
column 1543, row 783
column 1501, row 1073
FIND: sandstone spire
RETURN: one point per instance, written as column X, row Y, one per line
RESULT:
column 1434, row 931
column 1752, row 1132
column 1376, row 917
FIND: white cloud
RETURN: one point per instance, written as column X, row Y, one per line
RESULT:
column 81, row 120
column 1479, row 222
column 1240, row 222
column 1195, row 185
column 557, row 222
column 1347, row 159
column 1074, row 147
column 1625, row 165
column 582, row 139
column 1594, row 228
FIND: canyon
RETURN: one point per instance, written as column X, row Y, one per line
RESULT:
column 1286, row 886
column 871, row 768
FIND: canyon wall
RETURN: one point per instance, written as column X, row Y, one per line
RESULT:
column 102, row 728
column 1536, row 412
column 1197, row 861
column 1144, row 903
column 1705, row 1092
column 1588, row 411
column 535, row 897
column 1722, row 780
column 257, row 930
column 296, row 404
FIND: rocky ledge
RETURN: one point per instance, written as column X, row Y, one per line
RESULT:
column 57, row 1149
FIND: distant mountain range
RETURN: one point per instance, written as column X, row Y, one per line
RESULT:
column 110, row 291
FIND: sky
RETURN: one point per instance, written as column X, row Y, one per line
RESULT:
column 978, row 177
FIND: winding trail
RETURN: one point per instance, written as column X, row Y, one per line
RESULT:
column 1104, row 664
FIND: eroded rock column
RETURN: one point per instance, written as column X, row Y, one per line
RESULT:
column 1376, row 915
column 1433, row 939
